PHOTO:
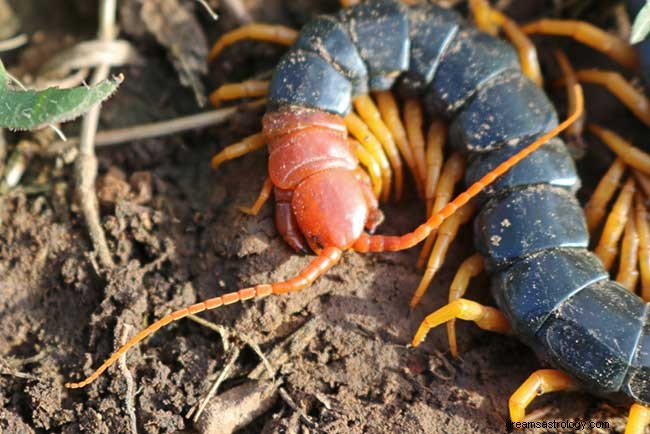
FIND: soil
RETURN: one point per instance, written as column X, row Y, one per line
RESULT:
column 177, row 238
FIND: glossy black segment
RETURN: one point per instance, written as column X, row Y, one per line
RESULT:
column 592, row 335
column 379, row 29
column 431, row 29
column 508, row 111
column 637, row 384
column 471, row 60
column 551, row 164
column 529, row 290
column 327, row 37
column 304, row 79
column 527, row 221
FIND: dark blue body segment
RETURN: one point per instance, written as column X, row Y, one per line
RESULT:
column 526, row 221
column 637, row 383
column 304, row 79
column 431, row 30
column 505, row 112
column 593, row 335
column 380, row 31
column 551, row 164
column 472, row 60
column 327, row 37
column 529, row 290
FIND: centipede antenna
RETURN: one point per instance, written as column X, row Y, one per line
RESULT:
column 383, row 243
column 575, row 131
column 327, row 258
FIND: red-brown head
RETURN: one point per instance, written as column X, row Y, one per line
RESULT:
column 309, row 154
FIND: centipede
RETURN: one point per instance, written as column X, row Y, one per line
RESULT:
column 335, row 154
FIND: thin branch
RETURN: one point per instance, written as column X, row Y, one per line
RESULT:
column 13, row 43
column 86, row 167
column 130, row 387
column 223, row 375
column 148, row 131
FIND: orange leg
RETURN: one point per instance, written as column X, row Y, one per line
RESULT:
column 326, row 259
column 446, row 235
column 386, row 243
column 452, row 173
column 482, row 13
column 628, row 274
column 370, row 114
column 633, row 99
column 236, row 150
column 487, row 318
column 643, row 228
column 471, row 267
column 371, row 165
column 631, row 155
column 390, row 114
column 362, row 133
column 348, row 3
column 590, row 35
column 607, row 248
column 245, row 89
column 414, row 120
column 262, row 32
column 596, row 207
column 264, row 195
column 435, row 143
column 540, row 382
column 643, row 181
column 575, row 131
column 638, row 419
column 490, row 20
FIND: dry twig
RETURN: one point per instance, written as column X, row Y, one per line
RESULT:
column 86, row 165
column 129, row 398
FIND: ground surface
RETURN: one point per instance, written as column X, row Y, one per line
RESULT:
column 178, row 238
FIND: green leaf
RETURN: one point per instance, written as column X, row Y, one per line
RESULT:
column 641, row 26
column 29, row 109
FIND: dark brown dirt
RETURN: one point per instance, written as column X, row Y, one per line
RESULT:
column 178, row 238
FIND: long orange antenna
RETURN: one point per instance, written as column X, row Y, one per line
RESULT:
column 327, row 258
column 384, row 243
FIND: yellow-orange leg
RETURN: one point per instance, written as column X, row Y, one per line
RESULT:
column 446, row 235
column 628, row 273
column 414, row 121
column 607, row 247
column 264, row 195
column 471, row 267
column 245, row 89
column 282, row 35
column 590, row 35
column 575, row 131
column 371, row 165
column 490, row 20
column 391, row 115
column 633, row 98
column 643, row 229
column 540, row 382
column 487, row 318
column 236, row 150
column 368, row 111
column 638, row 419
column 452, row 173
column 631, row 155
column 607, row 186
column 643, row 181
column 436, row 139
column 482, row 13
column 359, row 130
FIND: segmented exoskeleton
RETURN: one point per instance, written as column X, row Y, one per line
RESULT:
column 553, row 293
